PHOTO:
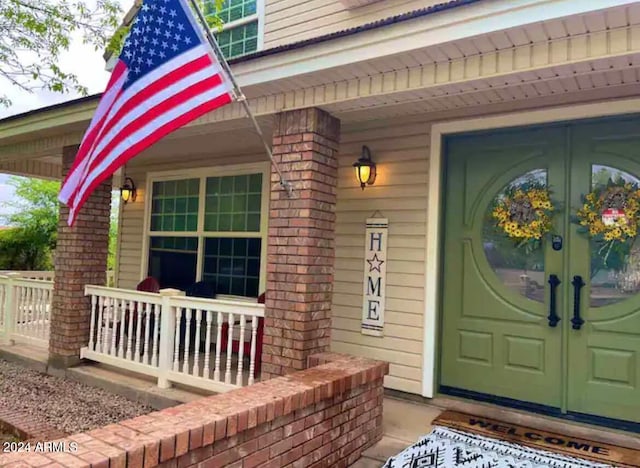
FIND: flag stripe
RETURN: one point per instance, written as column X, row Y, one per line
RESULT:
column 216, row 94
column 191, row 114
column 147, row 119
column 122, row 120
column 75, row 172
column 122, row 98
column 157, row 90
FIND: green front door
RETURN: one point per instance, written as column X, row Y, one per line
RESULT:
column 497, row 338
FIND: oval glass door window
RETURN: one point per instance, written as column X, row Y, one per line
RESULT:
column 516, row 269
column 615, row 272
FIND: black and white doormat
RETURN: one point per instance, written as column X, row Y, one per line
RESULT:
column 449, row 448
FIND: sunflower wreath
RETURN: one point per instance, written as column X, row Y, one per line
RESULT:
column 610, row 215
column 524, row 214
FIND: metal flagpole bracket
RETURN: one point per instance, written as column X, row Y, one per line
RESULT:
column 239, row 95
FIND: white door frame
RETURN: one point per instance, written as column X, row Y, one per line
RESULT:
column 434, row 216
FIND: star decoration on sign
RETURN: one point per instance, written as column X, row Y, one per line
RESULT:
column 375, row 263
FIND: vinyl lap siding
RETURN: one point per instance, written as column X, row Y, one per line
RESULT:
column 400, row 194
column 288, row 21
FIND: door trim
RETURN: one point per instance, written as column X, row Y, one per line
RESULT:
column 433, row 265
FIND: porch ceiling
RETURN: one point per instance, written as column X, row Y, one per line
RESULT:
column 608, row 78
column 552, row 33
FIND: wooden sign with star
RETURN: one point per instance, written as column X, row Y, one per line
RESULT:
column 375, row 276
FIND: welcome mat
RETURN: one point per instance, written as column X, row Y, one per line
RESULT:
column 461, row 440
column 612, row 455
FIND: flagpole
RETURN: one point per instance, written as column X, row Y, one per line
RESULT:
column 240, row 95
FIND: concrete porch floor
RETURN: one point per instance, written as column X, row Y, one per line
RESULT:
column 406, row 418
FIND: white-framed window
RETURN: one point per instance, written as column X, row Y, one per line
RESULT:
column 208, row 224
column 243, row 28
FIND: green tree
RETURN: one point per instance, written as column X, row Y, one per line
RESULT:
column 29, row 242
column 33, row 222
column 36, row 32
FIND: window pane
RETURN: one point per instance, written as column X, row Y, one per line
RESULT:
column 172, row 261
column 516, row 269
column 233, row 203
column 233, row 265
column 239, row 40
column 615, row 271
column 171, row 202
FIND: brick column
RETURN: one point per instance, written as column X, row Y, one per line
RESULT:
column 80, row 259
column 301, row 244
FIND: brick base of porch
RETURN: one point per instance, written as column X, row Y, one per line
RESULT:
column 325, row 416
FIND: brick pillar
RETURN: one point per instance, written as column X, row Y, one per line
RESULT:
column 301, row 246
column 80, row 259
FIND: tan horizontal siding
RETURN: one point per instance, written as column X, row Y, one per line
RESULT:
column 400, row 194
column 288, row 21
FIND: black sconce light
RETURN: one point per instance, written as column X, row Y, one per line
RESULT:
column 365, row 168
column 128, row 191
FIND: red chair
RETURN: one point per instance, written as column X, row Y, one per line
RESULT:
column 235, row 344
column 149, row 284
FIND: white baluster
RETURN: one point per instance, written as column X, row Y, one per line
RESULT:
column 130, row 313
column 114, row 320
column 35, row 311
column 92, row 327
column 32, row 311
column 105, row 325
column 21, row 305
column 99, row 336
column 147, row 332
column 121, row 325
column 227, row 374
column 176, row 354
column 35, row 328
column 42, row 313
column 28, row 323
column 252, row 361
column 196, row 345
column 216, row 372
column 139, row 312
column 156, row 334
column 243, row 324
column 187, row 341
column 206, row 372
column 48, row 309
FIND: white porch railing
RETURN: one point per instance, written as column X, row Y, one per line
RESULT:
column 25, row 306
column 174, row 338
column 25, row 310
column 39, row 275
column 48, row 275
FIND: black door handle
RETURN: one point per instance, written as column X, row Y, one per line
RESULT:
column 577, row 321
column 553, row 318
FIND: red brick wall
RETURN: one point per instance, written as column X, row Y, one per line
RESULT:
column 325, row 416
column 300, row 261
column 80, row 259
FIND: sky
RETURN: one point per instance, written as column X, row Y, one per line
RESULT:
column 83, row 61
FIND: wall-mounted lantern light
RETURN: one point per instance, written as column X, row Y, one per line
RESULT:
column 128, row 191
column 365, row 168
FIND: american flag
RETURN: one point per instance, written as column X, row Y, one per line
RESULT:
column 166, row 76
